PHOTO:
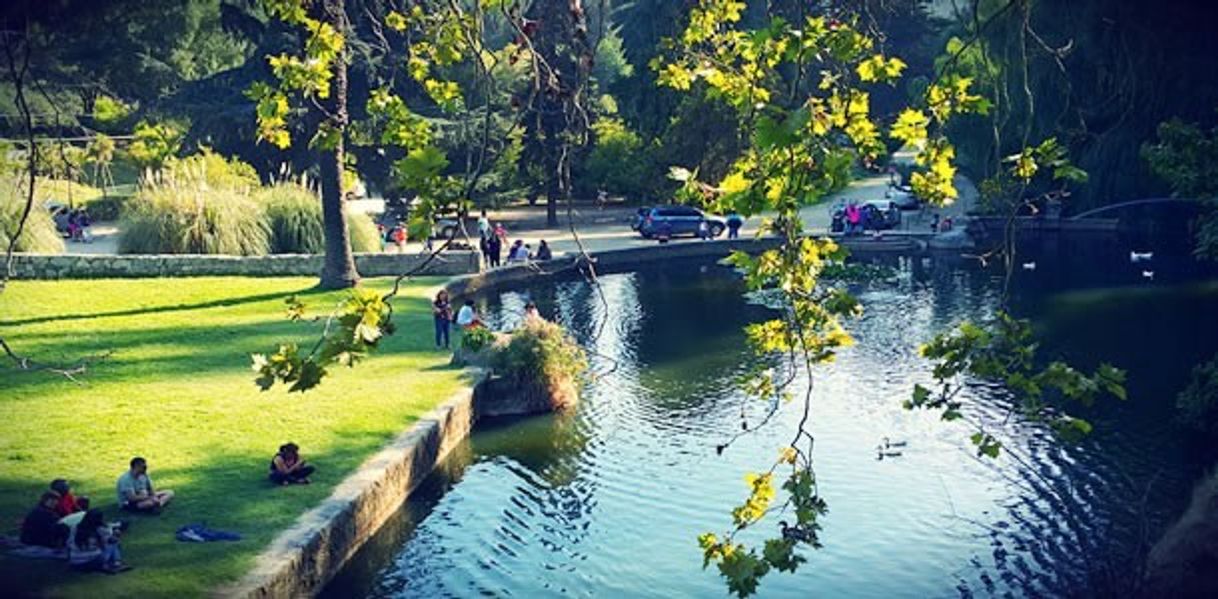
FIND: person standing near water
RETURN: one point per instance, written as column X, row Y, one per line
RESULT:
column 494, row 246
column 734, row 222
column 442, row 313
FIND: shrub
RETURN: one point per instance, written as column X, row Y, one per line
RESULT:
column 295, row 220
column 189, row 217
column 477, row 338
column 541, row 351
column 39, row 235
column 1198, row 403
column 155, row 143
column 106, row 208
column 621, row 162
column 212, row 169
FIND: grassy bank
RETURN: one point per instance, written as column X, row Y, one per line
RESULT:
column 179, row 391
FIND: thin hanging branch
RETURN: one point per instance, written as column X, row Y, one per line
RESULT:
column 17, row 63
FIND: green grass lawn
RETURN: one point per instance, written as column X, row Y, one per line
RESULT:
column 179, row 391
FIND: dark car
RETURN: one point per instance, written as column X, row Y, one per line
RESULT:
column 874, row 218
column 672, row 221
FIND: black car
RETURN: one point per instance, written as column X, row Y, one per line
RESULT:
column 671, row 221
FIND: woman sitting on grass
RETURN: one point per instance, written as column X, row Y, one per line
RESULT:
column 288, row 468
column 93, row 546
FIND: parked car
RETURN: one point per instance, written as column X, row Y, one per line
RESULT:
column 445, row 227
column 677, row 220
column 903, row 196
column 874, row 218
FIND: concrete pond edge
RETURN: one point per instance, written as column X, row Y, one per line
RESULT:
column 302, row 559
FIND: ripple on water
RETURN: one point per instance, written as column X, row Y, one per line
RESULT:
column 607, row 501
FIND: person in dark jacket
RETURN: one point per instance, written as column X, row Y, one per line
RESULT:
column 41, row 525
column 543, row 251
column 288, row 468
column 495, row 245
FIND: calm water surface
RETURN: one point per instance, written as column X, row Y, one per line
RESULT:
column 607, row 501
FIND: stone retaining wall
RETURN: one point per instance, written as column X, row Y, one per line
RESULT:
column 85, row 266
column 607, row 261
column 302, row 559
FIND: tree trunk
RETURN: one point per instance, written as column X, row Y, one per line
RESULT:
column 338, row 271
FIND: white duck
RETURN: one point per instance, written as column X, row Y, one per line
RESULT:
column 1141, row 256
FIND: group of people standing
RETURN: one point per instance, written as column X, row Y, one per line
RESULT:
column 493, row 238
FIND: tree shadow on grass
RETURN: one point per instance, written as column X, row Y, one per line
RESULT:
column 178, row 350
column 229, row 491
column 219, row 303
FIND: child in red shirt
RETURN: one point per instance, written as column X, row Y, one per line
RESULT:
column 68, row 503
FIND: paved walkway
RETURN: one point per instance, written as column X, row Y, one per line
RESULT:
column 609, row 227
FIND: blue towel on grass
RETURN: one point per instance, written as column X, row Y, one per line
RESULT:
column 200, row 533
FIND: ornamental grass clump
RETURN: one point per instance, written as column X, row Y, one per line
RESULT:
column 294, row 216
column 177, row 211
column 541, row 352
column 39, row 235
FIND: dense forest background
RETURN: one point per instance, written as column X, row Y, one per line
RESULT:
column 1103, row 74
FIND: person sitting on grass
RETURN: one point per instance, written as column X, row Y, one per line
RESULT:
column 93, row 546
column 41, row 526
column 135, row 490
column 288, row 468
column 68, row 503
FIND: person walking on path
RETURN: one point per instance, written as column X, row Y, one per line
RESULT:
column 854, row 218
column 734, row 222
column 484, row 225
column 442, row 313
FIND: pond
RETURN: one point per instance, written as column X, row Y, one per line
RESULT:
column 608, row 500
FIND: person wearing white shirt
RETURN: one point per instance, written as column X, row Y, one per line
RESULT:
column 467, row 317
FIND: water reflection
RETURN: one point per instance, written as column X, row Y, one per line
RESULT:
column 606, row 501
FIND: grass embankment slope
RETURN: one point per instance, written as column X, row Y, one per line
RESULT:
column 179, row 391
